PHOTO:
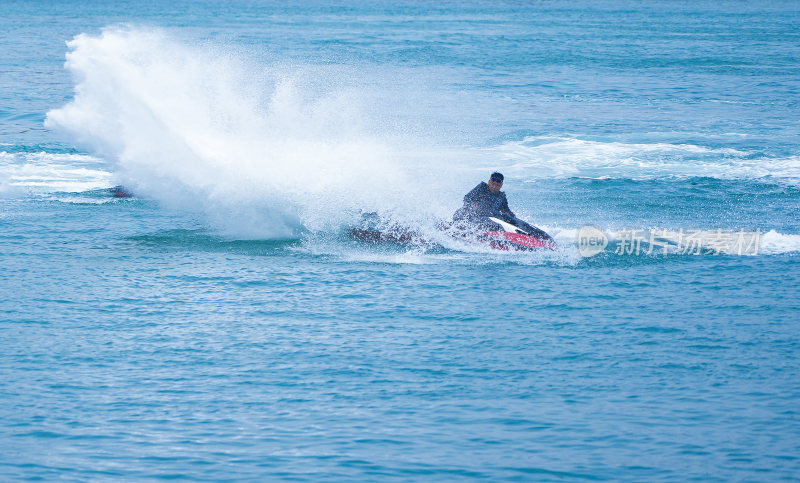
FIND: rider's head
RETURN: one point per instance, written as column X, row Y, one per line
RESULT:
column 495, row 182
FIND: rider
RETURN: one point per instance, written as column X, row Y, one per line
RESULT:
column 484, row 200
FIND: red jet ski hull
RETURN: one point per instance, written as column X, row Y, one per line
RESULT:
column 503, row 240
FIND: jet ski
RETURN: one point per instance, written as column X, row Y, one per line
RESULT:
column 502, row 232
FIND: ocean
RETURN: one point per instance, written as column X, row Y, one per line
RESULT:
column 221, row 324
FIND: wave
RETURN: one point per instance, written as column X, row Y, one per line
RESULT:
column 44, row 172
column 560, row 157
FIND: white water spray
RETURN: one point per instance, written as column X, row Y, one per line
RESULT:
column 261, row 153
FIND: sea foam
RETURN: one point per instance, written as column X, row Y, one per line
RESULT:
column 43, row 172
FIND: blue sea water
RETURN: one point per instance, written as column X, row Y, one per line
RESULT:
column 221, row 325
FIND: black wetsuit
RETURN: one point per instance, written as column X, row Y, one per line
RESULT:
column 480, row 202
